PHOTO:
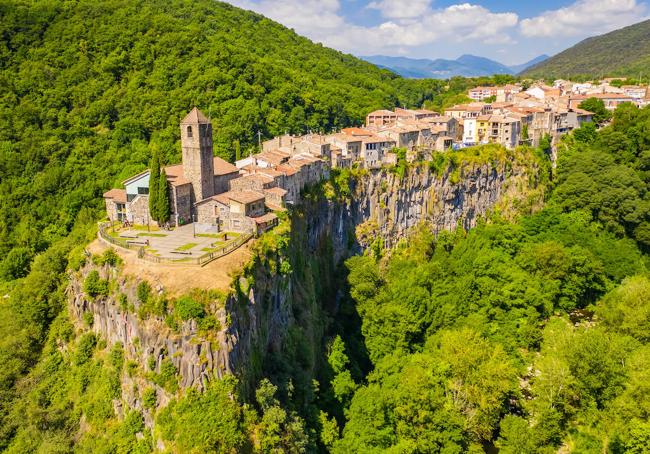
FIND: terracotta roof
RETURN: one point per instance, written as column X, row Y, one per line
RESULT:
column 268, row 217
column 276, row 191
column 257, row 177
column 175, row 175
column 195, row 116
column 222, row 167
column 286, row 169
column 355, row 132
column 274, row 207
column 244, row 197
column 118, row 195
column 382, row 112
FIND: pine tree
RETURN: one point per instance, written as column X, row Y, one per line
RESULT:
column 163, row 211
column 154, row 180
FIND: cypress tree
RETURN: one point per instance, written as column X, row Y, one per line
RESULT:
column 163, row 210
column 237, row 150
column 154, row 180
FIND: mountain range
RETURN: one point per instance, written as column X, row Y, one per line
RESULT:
column 623, row 52
column 465, row 66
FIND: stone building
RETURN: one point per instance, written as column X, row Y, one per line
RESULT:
column 192, row 184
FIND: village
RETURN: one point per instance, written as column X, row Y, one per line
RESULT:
column 218, row 198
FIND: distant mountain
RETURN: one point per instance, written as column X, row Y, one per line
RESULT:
column 535, row 61
column 466, row 66
column 623, row 52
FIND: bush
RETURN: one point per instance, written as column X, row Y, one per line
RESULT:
column 94, row 286
column 186, row 308
column 144, row 292
column 149, row 398
column 85, row 348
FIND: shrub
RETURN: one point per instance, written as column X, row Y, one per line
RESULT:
column 88, row 318
column 85, row 348
column 94, row 286
column 144, row 292
column 149, row 398
column 186, row 308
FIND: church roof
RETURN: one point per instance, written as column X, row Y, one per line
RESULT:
column 195, row 116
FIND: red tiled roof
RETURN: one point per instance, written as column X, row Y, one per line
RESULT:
column 118, row 195
column 268, row 217
column 222, row 167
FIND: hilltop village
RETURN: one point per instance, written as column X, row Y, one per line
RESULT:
column 245, row 196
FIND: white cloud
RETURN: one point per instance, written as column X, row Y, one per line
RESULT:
column 410, row 23
column 585, row 18
column 401, row 9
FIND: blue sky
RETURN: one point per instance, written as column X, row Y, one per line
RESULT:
column 508, row 31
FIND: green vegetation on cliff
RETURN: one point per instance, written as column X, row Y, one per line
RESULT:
column 624, row 52
column 523, row 336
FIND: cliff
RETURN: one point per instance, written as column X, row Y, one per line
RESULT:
column 276, row 308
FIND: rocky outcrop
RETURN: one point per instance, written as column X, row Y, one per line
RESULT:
column 256, row 317
column 196, row 358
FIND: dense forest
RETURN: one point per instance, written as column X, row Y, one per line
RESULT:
column 523, row 336
column 622, row 53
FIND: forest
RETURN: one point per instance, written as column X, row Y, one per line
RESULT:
column 522, row 336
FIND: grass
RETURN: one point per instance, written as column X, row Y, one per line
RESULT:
column 186, row 247
column 218, row 235
column 209, row 235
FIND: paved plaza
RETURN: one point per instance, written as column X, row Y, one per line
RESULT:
column 182, row 242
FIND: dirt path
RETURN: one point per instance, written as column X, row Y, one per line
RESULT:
column 179, row 279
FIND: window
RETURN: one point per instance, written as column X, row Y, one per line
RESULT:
column 189, row 132
column 143, row 190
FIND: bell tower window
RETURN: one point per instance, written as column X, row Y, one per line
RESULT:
column 189, row 132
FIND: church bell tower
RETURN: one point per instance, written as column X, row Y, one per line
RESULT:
column 198, row 159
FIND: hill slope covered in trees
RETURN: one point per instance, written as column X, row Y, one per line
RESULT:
column 89, row 87
column 624, row 52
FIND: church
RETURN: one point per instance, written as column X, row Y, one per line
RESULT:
column 199, row 177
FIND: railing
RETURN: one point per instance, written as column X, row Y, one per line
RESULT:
column 143, row 254
column 228, row 248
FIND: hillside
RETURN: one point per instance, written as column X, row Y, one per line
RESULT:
column 88, row 88
column 464, row 66
column 624, row 52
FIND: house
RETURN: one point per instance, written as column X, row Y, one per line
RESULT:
column 448, row 124
column 373, row 146
column 498, row 129
column 381, row 118
column 471, row 110
column 349, row 144
column 611, row 100
column 414, row 115
column 480, row 93
column 403, row 136
column 470, row 133
column 236, row 211
column 544, row 92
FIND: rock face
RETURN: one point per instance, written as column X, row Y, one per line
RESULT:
column 256, row 317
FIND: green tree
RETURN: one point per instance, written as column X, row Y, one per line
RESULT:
column 154, row 185
column 597, row 107
column 163, row 202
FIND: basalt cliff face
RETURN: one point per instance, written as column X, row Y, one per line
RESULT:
column 281, row 297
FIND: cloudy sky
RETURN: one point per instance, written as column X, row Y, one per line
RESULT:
column 510, row 31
